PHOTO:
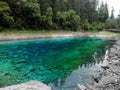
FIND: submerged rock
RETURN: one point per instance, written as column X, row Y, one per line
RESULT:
column 6, row 73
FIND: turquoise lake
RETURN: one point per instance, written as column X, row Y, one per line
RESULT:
column 50, row 61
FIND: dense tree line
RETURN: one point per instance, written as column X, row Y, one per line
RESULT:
column 53, row 14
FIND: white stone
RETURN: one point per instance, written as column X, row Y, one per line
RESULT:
column 31, row 85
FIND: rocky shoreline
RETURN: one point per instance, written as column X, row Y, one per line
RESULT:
column 109, row 78
column 13, row 37
column 40, row 36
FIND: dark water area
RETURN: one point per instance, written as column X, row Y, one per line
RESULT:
column 60, row 63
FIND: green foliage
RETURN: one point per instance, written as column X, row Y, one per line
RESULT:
column 49, row 15
column 53, row 14
column 97, row 26
column 76, row 22
column 8, row 19
column 86, row 25
column 4, row 7
column 43, row 20
column 18, row 24
column 118, row 22
column 5, row 18
column 103, row 13
column 32, row 8
column 111, row 24
column 44, row 4
column 68, row 20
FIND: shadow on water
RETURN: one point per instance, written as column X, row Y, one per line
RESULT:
column 60, row 63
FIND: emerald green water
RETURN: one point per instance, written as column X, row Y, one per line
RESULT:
column 45, row 60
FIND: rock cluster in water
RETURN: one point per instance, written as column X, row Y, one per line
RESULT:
column 109, row 78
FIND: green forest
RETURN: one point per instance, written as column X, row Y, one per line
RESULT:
column 71, row 15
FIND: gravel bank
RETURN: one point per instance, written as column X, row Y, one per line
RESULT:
column 40, row 36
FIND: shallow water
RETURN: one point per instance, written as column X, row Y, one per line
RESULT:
column 52, row 61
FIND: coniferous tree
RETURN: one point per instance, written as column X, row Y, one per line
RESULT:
column 112, row 13
column 103, row 13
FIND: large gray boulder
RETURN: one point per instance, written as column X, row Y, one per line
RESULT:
column 31, row 85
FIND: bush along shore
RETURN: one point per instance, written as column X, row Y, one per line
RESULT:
column 109, row 78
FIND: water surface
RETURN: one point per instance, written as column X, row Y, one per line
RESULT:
column 51, row 61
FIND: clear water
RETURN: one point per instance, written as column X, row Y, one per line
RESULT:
column 50, row 60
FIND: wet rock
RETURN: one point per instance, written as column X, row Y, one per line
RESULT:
column 105, row 67
column 90, row 87
column 116, row 63
column 81, row 87
column 96, row 78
